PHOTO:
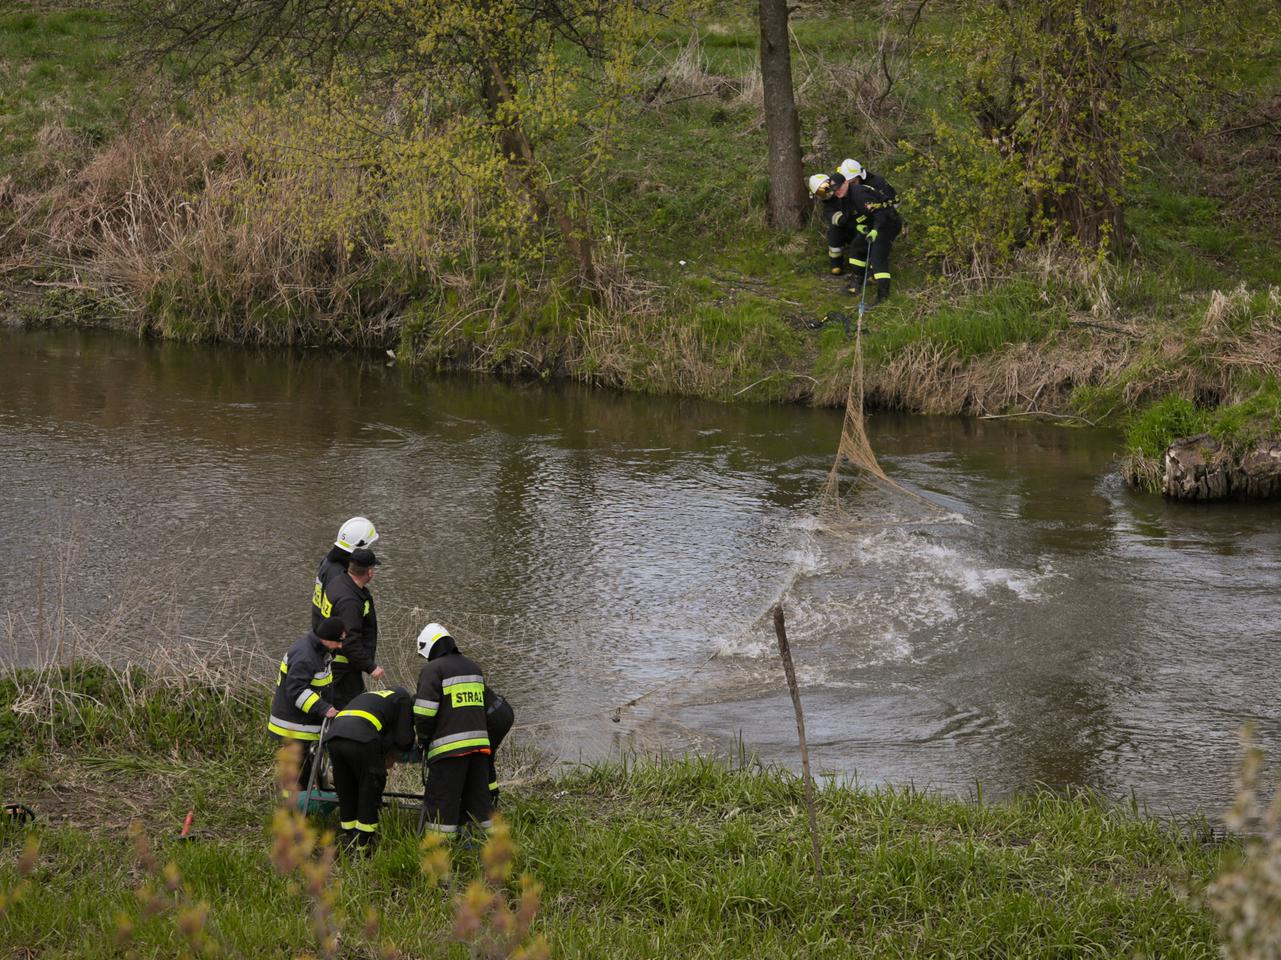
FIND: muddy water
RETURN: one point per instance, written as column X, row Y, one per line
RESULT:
column 592, row 548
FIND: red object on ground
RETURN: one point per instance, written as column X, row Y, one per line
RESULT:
column 186, row 824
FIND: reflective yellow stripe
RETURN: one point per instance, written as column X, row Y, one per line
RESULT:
column 382, row 693
column 326, row 605
column 366, row 608
column 317, row 594
column 425, row 711
column 493, row 786
column 378, row 724
column 292, row 734
column 366, row 827
column 858, row 263
column 322, row 682
column 880, row 276
column 339, row 658
column 310, row 702
column 458, row 745
column 347, row 824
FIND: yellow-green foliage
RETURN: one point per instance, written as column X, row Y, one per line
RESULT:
column 967, row 196
column 1075, row 92
column 453, row 160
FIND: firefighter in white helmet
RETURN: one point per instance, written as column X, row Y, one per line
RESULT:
column 871, row 211
column 836, row 215
column 449, row 717
column 355, row 533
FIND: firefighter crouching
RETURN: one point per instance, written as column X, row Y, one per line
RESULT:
column 872, row 202
column 303, row 687
column 347, row 597
column 352, row 535
column 364, row 741
column 838, row 218
column 449, row 714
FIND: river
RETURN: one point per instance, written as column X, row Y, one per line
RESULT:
column 590, row 548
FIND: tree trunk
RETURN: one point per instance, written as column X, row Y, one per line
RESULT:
column 1199, row 468
column 788, row 202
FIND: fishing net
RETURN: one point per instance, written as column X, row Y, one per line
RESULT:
column 845, row 504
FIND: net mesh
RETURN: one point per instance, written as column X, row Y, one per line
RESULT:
column 843, row 505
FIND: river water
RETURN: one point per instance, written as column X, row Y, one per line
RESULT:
column 590, row 548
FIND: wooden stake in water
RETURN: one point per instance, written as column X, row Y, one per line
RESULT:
column 786, row 653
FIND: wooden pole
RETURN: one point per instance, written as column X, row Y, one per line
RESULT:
column 785, row 652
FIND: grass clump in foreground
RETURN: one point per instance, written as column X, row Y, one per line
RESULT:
column 684, row 857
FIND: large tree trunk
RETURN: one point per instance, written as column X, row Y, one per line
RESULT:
column 788, row 202
column 1199, row 468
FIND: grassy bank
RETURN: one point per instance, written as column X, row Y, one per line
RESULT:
column 655, row 858
column 122, row 207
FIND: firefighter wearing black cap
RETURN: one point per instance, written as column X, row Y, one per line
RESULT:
column 352, row 535
column 449, row 714
column 347, row 597
column 364, row 741
column 872, row 202
column 303, row 690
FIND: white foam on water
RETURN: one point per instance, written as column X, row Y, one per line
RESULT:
column 874, row 595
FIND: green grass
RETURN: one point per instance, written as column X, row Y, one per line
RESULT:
column 57, row 68
column 688, row 183
column 648, row 858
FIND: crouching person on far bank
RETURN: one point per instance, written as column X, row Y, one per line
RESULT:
column 449, row 715
column 365, row 740
column 303, row 687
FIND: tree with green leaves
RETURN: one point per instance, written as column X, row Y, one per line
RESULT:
column 1068, row 96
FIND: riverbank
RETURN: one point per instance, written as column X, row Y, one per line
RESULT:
column 644, row 858
column 120, row 208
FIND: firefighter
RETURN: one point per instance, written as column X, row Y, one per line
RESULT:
column 872, row 203
column 837, row 216
column 449, row 714
column 303, row 688
column 364, row 741
column 347, row 597
column 356, row 532
column 499, row 717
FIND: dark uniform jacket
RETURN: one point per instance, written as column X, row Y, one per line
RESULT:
column 334, row 564
column 299, row 705
column 872, row 203
column 499, row 718
column 386, row 716
column 354, row 606
column 449, row 708
column 838, row 211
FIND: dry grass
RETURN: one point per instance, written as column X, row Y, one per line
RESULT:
column 180, row 222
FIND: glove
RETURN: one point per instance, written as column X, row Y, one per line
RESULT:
column 872, row 235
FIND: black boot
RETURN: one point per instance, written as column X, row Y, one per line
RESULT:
column 836, row 266
column 856, row 282
column 882, row 289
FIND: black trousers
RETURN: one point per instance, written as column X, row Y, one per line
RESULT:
column 875, row 257
column 457, row 790
column 838, row 237
column 359, row 778
column 347, row 686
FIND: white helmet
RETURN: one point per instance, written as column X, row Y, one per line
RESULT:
column 850, row 169
column 816, row 181
column 356, row 532
column 427, row 638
